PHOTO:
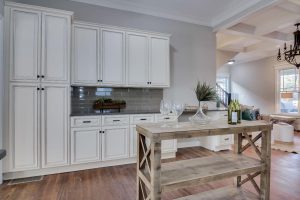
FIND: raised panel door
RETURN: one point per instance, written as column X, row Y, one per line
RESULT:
column 159, row 70
column 85, row 145
column 115, row 142
column 85, row 55
column 113, row 57
column 23, row 126
column 25, row 29
column 55, row 123
column 137, row 59
column 56, row 35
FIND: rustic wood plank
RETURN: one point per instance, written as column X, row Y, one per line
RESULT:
column 238, row 140
column 253, row 145
column 202, row 170
column 188, row 129
column 266, row 159
column 155, row 174
column 253, row 140
column 226, row 193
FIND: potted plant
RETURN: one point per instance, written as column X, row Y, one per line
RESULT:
column 204, row 92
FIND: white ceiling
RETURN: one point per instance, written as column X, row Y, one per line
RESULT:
column 260, row 34
column 202, row 12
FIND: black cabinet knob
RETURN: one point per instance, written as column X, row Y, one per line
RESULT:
column 37, row 88
column 43, row 88
column 38, row 76
column 43, row 76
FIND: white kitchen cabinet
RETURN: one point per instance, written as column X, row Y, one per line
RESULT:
column 39, row 44
column 137, row 59
column 23, row 127
column 115, row 142
column 54, row 125
column 24, row 45
column 133, row 141
column 159, row 69
column 56, row 35
column 85, row 145
column 85, row 68
column 217, row 143
column 113, row 57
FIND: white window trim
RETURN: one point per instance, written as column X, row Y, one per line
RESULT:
column 277, row 86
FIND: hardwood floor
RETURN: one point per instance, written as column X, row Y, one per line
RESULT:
column 119, row 182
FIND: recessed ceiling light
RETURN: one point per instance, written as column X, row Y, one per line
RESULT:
column 231, row 62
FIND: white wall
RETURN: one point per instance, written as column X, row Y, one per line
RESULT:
column 254, row 83
column 193, row 55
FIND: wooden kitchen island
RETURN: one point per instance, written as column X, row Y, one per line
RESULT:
column 154, row 177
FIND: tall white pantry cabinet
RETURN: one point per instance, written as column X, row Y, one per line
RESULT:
column 38, row 47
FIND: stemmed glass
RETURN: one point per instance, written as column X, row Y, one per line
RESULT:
column 165, row 109
column 177, row 110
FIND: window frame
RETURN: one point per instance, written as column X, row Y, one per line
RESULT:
column 278, row 68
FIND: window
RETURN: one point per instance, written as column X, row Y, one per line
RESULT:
column 288, row 91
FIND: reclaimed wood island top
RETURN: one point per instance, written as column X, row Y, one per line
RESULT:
column 153, row 177
column 166, row 131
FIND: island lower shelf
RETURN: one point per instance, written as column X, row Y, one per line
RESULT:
column 225, row 193
column 191, row 172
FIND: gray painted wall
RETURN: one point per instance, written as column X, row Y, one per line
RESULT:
column 254, row 83
column 1, row 82
column 192, row 46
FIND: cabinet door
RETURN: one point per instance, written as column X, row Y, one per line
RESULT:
column 56, row 30
column 25, row 29
column 115, row 142
column 132, row 141
column 55, row 121
column 169, row 146
column 113, row 57
column 159, row 70
column 23, row 127
column 137, row 59
column 85, row 145
column 85, row 55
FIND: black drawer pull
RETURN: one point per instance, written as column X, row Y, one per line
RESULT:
column 167, row 118
column 226, row 139
column 143, row 119
column 116, row 120
column 86, row 122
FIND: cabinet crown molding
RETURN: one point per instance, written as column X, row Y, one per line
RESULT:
column 37, row 8
column 79, row 22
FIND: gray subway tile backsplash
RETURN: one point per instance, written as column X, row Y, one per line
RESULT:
column 137, row 99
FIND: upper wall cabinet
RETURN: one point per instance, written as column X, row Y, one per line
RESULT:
column 39, row 47
column 137, row 59
column 159, row 69
column 85, row 54
column 111, row 56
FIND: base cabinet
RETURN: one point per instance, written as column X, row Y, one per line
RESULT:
column 115, row 142
column 85, row 145
column 217, row 143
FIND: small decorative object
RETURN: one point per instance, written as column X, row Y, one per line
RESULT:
column 102, row 103
column 203, row 92
column 165, row 109
column 177, row 110
column 234, row 112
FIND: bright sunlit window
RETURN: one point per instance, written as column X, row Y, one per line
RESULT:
column 288, row 91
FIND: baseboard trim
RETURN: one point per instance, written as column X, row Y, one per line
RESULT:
column 75, row 167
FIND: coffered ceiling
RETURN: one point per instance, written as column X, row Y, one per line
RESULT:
column 260, row 34
column 203, row 12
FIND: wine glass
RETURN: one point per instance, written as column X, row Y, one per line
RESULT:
column 177, row 110
column 165, row 109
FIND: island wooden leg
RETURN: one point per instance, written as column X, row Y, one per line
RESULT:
column 238, row 150
column 155, row 158
column 266, row 158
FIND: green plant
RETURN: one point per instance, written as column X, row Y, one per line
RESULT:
column 205, row 92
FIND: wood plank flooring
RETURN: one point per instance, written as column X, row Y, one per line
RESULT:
column 119, row 182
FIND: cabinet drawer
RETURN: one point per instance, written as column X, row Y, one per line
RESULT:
column 136, row 119
column 85, row 121
column 226, row 139
column 164, row 118
column 115, row 120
